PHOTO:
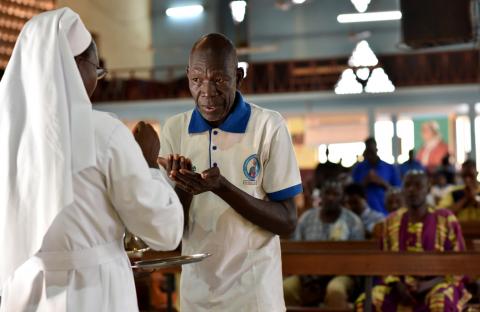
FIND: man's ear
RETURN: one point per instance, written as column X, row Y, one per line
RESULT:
column 187, row 70
column 240, row 74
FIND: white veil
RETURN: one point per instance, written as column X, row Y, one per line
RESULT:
column 46, row 132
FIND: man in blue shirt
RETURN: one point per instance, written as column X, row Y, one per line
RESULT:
column 375, row 175
column 410, row 164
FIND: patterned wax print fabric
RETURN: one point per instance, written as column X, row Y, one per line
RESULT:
column 438, row 231
column 455, row 194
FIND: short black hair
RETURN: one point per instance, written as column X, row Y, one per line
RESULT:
column 370, row 140
column 332, row 183
column 469, row 163
column 355, row 189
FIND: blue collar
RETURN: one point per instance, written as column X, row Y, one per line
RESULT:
column 236, row 121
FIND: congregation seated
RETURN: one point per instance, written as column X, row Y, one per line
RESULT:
column 464, row 200
column 326, row 171
column 393, row 202
column 417, row 228
column 394, row 199
column 304, row 200
column 356, row 201
column 440, row 186
column 331, row 222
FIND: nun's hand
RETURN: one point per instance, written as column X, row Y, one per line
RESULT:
column 149, row 142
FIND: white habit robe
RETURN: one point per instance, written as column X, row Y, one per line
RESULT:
column 82, row 265
column 71, row 180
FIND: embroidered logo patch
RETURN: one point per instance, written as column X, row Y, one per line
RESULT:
column 251, row 169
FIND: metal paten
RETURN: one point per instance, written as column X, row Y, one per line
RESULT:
column 169, row 262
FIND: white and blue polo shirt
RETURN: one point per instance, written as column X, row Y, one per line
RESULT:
column 253, row 151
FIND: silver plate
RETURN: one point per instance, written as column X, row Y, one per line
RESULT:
column 169, row 262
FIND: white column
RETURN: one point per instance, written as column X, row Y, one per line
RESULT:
column 472, row 114
column 395, row 139
column 371, row 121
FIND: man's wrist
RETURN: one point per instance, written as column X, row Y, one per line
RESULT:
column 222, row 186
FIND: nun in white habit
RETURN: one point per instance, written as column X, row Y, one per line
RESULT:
column 71, row 180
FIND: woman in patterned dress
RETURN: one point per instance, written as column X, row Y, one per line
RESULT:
column 418, row 228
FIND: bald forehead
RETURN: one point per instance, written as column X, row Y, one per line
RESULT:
column 216, row 47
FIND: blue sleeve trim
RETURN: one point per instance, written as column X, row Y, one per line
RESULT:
column 285, row 193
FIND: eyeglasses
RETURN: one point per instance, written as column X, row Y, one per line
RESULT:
column 101, row 72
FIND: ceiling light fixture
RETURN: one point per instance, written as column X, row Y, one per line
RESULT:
column 361, row 5
column 366, row 76
column 238, row 11
column 379, row 82
column 348, row 83
column 362, row 56
column 369, row 17
column 363, row 73
column 183, row 12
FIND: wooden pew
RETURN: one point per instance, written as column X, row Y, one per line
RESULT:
column 330, row 245
column 315, row 309
column 371, row 263
column 307, row 247
column 362, row 258
column 470, row 229
column 380, row 263
column 471, row 244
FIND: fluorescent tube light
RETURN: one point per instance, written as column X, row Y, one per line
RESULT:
column 185, row 11
column 369, row 17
